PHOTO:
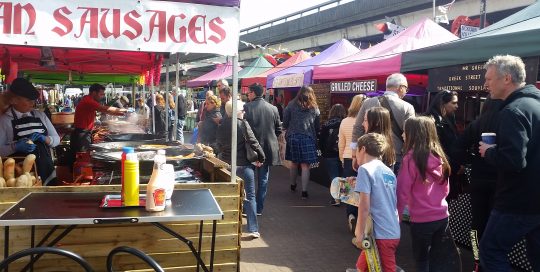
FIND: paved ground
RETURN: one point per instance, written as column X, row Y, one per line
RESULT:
column 308, row 235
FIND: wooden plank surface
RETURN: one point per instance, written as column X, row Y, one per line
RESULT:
column 95, row 242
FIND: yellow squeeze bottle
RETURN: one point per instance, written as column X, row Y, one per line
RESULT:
column 131, row 180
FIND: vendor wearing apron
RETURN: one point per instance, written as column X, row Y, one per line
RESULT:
column 85, row 115
column 24, row 130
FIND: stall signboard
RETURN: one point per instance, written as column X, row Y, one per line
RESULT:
column 470, row 77
column 467, row 31
column 148, row 26
column 322, row 95
column 357, row 86
column 288, row 81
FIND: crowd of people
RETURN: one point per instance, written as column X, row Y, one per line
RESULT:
column 404, row 165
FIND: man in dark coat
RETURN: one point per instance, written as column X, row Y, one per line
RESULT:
column 516, row 156
column 264, row 120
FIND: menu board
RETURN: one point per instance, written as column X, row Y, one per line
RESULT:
column 470, row 77
column 322, row 94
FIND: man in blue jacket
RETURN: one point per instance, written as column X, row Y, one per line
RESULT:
column 516, row 155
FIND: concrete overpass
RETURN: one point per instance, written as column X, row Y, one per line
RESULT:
column 318, row 27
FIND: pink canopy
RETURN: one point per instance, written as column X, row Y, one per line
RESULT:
column 385, row 57
column 300, row 56
column 221, row 71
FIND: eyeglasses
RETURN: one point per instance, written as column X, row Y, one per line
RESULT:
column 406, row 88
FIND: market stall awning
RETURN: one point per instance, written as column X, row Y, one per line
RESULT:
column 421, row 34
column 518, row 34
column 83, row 61
column 300, row 56
column 80, row 79
column 256, row 67
column 301, row 73
column 221, row 71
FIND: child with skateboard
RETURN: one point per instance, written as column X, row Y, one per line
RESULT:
column 376, row 185
column 423, row 187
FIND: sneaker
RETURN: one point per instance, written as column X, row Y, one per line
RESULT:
column 259, row 214
column 254, row 235
column 244, row 215
column 351, row 270
column 304, row 195
column 352, row 223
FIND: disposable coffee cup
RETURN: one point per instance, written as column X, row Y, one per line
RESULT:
column 489, row 137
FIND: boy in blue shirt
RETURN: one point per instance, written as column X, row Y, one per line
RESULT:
column 376, row 185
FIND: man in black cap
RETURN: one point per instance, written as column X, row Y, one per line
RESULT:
column 24, row 130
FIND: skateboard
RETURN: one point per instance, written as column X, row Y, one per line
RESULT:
column 370, row 248
column 475, row 250
column 342, row 190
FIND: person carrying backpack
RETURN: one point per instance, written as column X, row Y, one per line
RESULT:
column 328, row 142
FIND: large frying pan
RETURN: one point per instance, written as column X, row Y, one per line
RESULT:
column 136, row 137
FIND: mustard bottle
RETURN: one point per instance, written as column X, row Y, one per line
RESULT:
column 131, row 180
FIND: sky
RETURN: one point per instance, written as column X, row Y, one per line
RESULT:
column 253, row 12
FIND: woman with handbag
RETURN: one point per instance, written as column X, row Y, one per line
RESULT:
column 249, row 152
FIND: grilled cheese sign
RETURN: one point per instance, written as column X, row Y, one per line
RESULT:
column 150, row 26
column 359, row 86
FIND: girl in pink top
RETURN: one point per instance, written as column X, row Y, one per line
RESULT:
column 423, row 186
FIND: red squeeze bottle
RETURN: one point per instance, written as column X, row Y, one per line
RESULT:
column 125, row 151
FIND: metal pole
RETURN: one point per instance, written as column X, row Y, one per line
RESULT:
column 167, row 100
column 177, row 83
column 153, row 104
column 482, row 13
column 434, row 10
column 234, row 144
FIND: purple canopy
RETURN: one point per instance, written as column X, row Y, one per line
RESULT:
column 227, row 3
column 302, row 73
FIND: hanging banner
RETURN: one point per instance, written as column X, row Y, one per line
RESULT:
column 357, row 86
column 149, row 26
column 287, row 81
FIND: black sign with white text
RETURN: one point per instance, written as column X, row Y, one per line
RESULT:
column 357, row 86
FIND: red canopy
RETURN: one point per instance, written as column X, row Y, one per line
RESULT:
column 261, row 78
column 82, row 60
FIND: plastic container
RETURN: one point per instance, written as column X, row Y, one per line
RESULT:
column 125, row 150
column 168, row 177
column 82, row 168
column 130, row 188
column 156, row 190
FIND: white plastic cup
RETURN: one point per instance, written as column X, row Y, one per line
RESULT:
column 489, row 137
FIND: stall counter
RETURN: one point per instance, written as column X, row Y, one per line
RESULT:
column 93, row 243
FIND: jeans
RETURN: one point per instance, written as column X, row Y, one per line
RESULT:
column 262, row 185
column 348, row 171
column 334, row 167
column 180, row 131
column 502, row 232
column 433, row 247
column 247, row 173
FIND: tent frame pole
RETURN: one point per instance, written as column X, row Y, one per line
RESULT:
column 177, row 84
column 234, row 115
column 167, row 91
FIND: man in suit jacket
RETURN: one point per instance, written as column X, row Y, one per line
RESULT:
column 264, row 120
column 400, row 110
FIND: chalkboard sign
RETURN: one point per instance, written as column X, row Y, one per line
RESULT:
column 470, row 77
column 322, row 94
